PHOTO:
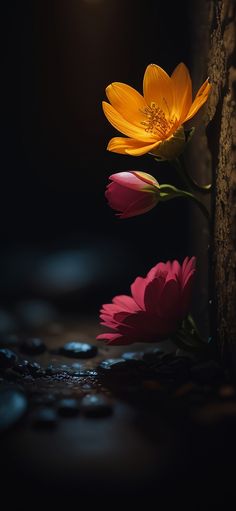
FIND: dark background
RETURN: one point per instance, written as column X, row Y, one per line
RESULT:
column 60, row 241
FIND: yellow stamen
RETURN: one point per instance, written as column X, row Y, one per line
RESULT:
column 156, row 122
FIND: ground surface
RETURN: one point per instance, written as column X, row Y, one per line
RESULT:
column 157, row 420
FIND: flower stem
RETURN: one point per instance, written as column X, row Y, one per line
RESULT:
column 189, row 182
column 189, row 338
column 168, row 192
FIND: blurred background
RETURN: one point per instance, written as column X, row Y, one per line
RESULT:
column 62, row 248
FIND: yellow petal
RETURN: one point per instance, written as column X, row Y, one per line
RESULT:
column 199, row 100
column 127, row 101
column 124, row 126
column 158, row 88
column 182, row 85
column 130, row 146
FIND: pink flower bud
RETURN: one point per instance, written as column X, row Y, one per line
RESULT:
column 132, row 193
column 156, row 307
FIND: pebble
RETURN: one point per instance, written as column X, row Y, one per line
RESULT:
column 130, row 355
column 7, row 358
column 25, row 368
column 68, row 407
column 13, row 405
column 52, row 370
column 77, row 349
column 113, row 365
column 45, row 418
column 96, row 405
column 32, row 346
column 76, row 366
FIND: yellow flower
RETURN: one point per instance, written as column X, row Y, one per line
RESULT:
column 153, row 123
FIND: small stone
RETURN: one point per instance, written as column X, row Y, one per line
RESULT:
column 136, row 355
column 52, row 370
column 96, row 405
column 76, row 366
column 13, row 405
column 33, row 346
column 22, row 367
column 113, row 365
column 76, row 349
column 34, row 367
column 68, row 407
column 36, row 370
column 45, row 418
column 7, row 358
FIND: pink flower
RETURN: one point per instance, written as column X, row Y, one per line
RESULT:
column 132, row 193
column 157, row 305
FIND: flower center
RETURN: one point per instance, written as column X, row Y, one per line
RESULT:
column 156, row 122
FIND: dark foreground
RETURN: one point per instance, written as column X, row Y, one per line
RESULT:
column 75, row 423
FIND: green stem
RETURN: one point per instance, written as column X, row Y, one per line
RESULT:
column 189, row 338
column 189, row 182
column 168, row 192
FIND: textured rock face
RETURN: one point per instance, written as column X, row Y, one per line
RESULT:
column 222, row 68
column 215, row 53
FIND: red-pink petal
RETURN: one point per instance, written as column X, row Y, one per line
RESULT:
column 119, row 197
column 140, row 206
column 138, row 290
column 153, row 293
column 128, row 180
column 125, row 302
column 171, row 298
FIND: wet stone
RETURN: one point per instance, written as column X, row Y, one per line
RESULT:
column 53, row 370
column 45, row 418
column 76, row 349
column 68, row 407
column 7, row 358
column 32, row 346
column 96, row 405
column 36, row 370
column 89, row 373
column 76, row 366
column 22, row 367
column 13, row 405
column 136, row 355
column 114, row 365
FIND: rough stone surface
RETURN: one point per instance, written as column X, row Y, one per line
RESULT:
column 213, row 157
